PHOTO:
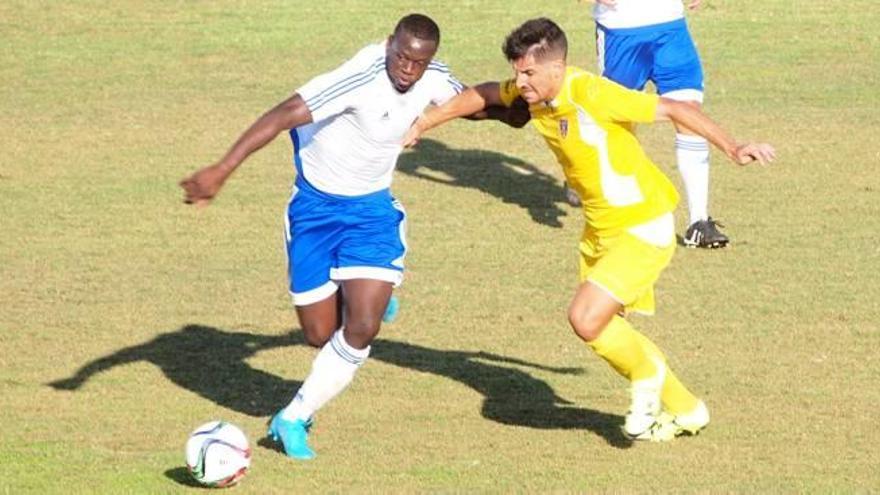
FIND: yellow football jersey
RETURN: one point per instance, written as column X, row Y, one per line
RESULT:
column 588, row 126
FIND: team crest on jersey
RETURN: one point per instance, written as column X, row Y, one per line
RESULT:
column 563, row 128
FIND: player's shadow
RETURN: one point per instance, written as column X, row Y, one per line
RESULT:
column 510, row 396
column 508, row 178
column 209, row 362
column 212, row 363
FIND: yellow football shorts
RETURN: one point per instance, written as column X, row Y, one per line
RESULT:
column 624, row 266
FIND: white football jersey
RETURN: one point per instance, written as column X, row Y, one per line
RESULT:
column 637, row 13
column 359, row 121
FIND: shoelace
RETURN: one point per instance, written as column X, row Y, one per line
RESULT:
column 714, row 222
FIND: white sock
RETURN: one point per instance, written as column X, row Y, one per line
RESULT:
column 692, row 153
column 332, row 370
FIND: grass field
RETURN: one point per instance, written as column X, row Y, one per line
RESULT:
column 150, row 317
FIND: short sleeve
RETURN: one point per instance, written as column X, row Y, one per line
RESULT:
column 445, row 85
column 508, row 92
column 334, row 92
column 617, row 102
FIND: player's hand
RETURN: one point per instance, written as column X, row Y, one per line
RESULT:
column 201, row 187
column 693, row 4
column 411, row 138
column 518, row 115
column 762, row 153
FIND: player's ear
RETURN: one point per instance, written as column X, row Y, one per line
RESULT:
column 558, row 68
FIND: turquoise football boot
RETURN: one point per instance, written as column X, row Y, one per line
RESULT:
column 293, row 435
column 391, row 310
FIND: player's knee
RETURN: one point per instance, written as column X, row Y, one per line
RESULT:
column 316, row 335
column 360, row 332
column 586, row 324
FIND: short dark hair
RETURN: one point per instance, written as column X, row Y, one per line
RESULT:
column 540, row 36
column 419, row 26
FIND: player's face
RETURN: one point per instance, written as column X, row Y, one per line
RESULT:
column 538, row 80
column 406, row 59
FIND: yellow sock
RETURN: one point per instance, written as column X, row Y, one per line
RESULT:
column 619, row 345
column 676, row 398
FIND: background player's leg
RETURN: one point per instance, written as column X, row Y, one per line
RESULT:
column 678, row 74
column 692, row 154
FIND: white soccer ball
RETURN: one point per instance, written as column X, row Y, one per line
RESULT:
column 218, row 454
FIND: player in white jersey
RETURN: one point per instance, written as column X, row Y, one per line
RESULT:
column 345, row 232
column 648, row 40
column 616, row 14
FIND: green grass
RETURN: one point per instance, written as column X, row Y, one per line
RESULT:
column 175, row 316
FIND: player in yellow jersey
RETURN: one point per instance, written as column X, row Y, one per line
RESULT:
column 629, row 234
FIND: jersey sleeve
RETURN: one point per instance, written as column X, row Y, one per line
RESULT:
column 508, row 92
column 616, row 102
column 445, row 84
column 334, row 92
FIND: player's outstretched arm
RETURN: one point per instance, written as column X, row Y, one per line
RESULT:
column 694, row 119
column 516, row 115
column 200, row 187
column 469, row 102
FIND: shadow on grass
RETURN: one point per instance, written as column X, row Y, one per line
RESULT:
column 181, row 475
column 211, row 363
column 505, row 177
column 510, row 396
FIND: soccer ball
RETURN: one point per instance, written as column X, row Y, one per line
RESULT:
column 218, row 454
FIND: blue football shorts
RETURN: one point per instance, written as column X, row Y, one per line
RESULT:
column 334, row 238
column 661, row 53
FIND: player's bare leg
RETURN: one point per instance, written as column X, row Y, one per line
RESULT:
column 365, row 304
column 344, row 351
column 319, row 320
